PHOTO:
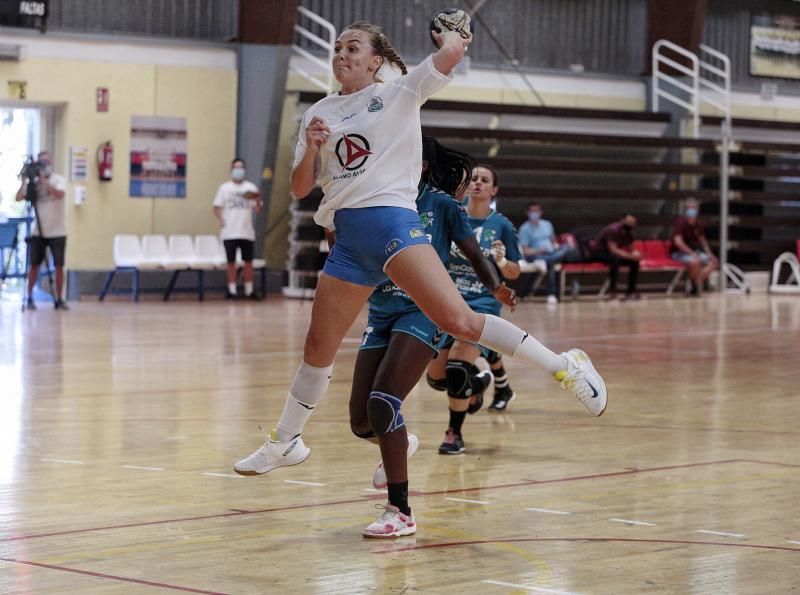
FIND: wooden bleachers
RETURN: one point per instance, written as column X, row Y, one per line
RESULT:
column 588, row 167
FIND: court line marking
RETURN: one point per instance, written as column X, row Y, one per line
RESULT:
column 365, row 498
column 721, row 533
column 793, row 542
column 629, row 522
column 304, row 483
column 319, row 578
column 373, row 490
column 210, row 474
column 467, row 501
column 110, row 576
column 527, row 587
column 586, row 540
column 62, row 461
column 143, row 468
column 548, row 511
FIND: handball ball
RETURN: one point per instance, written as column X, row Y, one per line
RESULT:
column 452, row 19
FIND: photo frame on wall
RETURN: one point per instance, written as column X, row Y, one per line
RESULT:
column 775, row 45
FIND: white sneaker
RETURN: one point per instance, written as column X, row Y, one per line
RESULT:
column 273, row 454
column 583, row 381
column 392, row 523
column 379, row 477
column 552, row 300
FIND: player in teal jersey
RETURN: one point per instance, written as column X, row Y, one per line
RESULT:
column 399, row 340
column 497, row 238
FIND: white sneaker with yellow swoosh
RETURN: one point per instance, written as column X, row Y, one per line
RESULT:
column 583, row 381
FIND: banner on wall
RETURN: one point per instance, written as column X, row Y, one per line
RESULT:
column 775, row 45
column 158, row 157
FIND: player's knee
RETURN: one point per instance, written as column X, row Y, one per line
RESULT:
column 457, row 374
column 384, row 414
column 462, row 324
column 436, row 383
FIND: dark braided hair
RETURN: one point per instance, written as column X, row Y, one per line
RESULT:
column 448, row 170
column 380, row 45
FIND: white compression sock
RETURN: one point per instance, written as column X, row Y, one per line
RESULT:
column 248, row 287
column 232, row 288
column 508, row 339
column 307, row 390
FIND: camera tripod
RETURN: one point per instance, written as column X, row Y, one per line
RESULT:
column 47, row 252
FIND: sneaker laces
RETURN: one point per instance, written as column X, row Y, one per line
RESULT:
column 575, row 382
column 388, row 513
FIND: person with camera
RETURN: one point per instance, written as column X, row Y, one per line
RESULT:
column 45, row 190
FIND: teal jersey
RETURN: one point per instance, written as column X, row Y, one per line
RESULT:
column 494, row 227
column 444, row 221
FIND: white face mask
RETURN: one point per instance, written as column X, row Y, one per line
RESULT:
column 237, row 173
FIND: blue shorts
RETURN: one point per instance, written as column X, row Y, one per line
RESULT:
column 415, row 323
column 686, row 258
column 367, row 239
column 481, row 305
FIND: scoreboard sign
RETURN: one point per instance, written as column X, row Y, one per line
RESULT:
column 24, row 13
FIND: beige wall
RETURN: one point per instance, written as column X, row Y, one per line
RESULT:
column 205, row 96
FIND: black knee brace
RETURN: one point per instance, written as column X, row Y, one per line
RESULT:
column 384, row 413
column 461, row 381
column 436, row 383
column 493, row 357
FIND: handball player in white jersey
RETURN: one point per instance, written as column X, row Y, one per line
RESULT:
column 363, row 146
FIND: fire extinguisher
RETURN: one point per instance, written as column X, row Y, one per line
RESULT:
column 105, row 161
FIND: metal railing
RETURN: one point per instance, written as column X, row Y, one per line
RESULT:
column 323, row 78
column 708, row 82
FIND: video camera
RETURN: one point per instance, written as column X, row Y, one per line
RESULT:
column 32, row 171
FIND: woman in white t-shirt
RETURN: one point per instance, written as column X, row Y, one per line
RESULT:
column 363, row 146
column 234, row 204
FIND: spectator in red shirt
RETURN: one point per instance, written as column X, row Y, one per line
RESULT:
column 689, row 246
column 614, row 247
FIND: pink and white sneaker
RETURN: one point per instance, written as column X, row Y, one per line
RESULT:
column 392, row 523
column 379, row 477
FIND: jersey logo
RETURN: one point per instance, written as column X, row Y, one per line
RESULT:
column 375, row 104
column 426, row 219
column 356, row 151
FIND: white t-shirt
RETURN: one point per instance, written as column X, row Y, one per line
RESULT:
column 373, row 156
column 237, row 211
column 51, row 211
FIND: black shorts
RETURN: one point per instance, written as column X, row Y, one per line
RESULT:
column 37, row 247
column 246, row 246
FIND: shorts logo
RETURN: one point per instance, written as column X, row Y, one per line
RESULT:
column 356, row 151
column 416, row 233
column 375, row 104
column 393, row 245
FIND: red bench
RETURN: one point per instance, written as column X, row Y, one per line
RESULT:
column 655, row 258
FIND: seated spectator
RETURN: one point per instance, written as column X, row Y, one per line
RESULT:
column 689, row 246
column 614, row 247
column 538, row 240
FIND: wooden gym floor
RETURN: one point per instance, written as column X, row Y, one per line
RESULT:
column 119, row 424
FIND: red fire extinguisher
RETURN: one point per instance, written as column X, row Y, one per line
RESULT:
column 105, row 161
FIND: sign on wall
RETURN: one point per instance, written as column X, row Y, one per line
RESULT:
column 78, row 163
column 23, row 13
column 775, row 45
column 158, row 157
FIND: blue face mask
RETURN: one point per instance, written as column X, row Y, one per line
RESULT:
column 237, row 173
column 534, row 216
column 691, row 212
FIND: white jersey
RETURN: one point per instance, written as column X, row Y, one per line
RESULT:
column 51, row 211
column 237, row 211
column 373, row 156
